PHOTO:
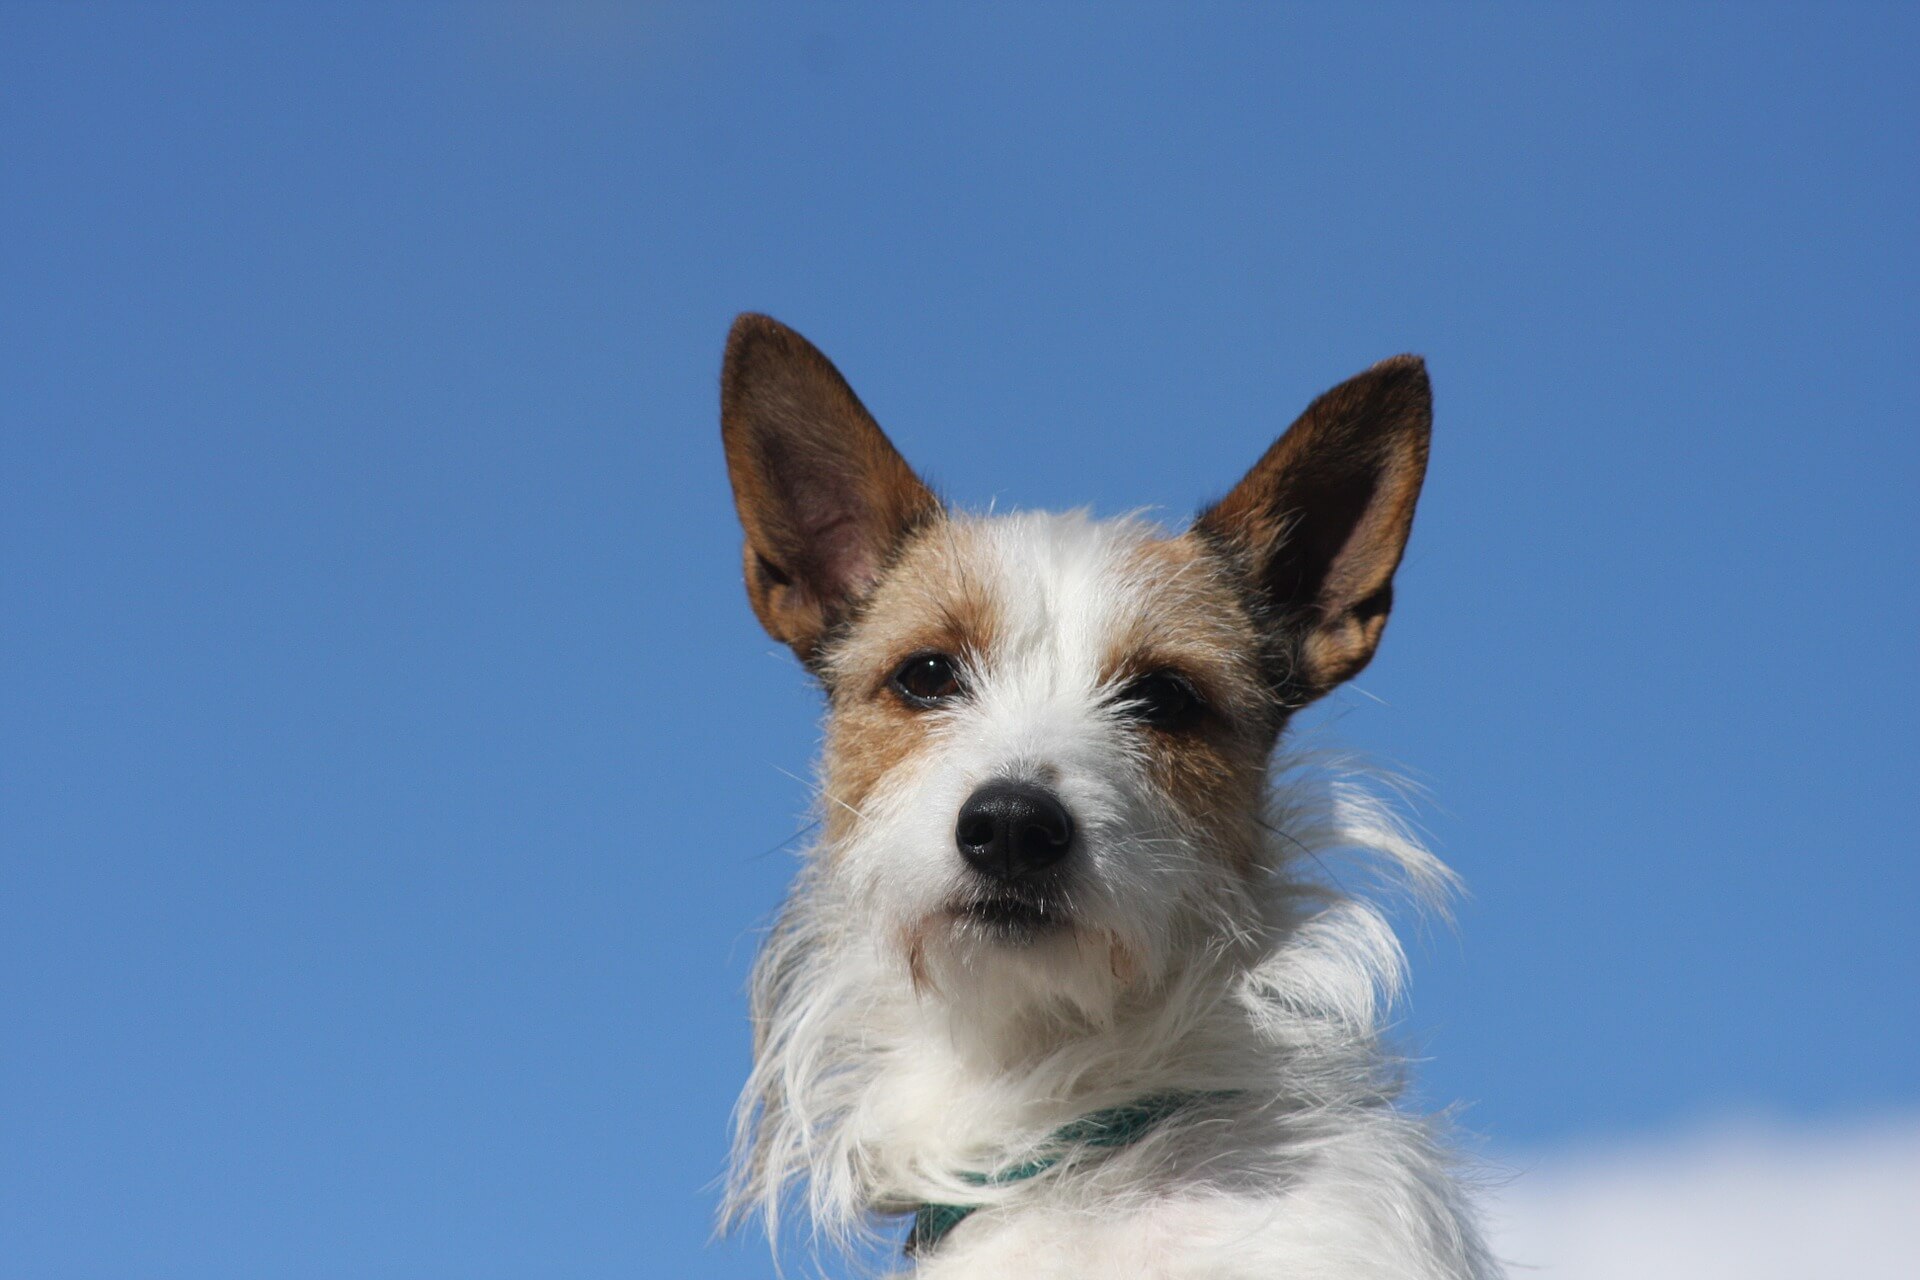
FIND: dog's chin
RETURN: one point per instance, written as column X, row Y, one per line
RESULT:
column 999, row 960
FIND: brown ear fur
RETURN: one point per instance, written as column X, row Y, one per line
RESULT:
column 822, row 494
column 1322, row 519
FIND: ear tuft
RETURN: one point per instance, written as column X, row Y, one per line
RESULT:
column 822, row 494
column 1321, row 521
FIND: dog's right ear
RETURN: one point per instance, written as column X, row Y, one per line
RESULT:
column 822, row 494
column 1321, row 521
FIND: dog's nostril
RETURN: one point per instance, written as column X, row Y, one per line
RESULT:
column 1039, row 842
column 1009, row 828
column 976, row 830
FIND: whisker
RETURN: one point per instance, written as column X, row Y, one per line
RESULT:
column 808, row 829
column 821, row 793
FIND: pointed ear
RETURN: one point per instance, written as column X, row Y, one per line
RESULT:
column 1321, row 520
column 822, row 494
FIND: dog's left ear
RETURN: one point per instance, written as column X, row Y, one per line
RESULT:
column 1320, row 522
column 822, row 494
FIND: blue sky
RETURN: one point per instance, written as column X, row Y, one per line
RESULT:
column 392, row 775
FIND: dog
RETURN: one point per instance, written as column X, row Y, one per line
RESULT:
column 1063, row 983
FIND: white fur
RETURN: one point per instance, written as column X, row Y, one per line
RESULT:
column 871, row 1093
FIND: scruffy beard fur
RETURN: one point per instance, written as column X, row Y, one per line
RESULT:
column 912, row 1024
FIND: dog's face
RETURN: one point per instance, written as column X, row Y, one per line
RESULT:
column 1047, row 736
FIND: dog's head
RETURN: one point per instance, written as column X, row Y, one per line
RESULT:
column 1047, row 736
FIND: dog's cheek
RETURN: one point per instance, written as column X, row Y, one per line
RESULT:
column 1177, row 850
column 871, row 742
column 1211, row 785
column 898, row 858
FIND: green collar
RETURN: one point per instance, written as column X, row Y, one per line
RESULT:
column 1120, row 1126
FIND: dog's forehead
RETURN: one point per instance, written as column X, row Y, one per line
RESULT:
column 1076, row 589
column 1081, row 595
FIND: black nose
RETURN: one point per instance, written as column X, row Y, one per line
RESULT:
column 1008, row 829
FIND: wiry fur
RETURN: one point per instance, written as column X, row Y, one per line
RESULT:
column 898, row 1046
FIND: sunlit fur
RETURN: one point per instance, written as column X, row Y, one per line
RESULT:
column 899, row 1046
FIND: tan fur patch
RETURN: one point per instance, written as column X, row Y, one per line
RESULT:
column 1195, row 624
column 1121, row 961
column 930, row 601
column 913, row 945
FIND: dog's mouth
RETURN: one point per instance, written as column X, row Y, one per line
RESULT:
column 1007, row 918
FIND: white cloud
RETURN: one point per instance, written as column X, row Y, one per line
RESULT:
column 1746, row 1202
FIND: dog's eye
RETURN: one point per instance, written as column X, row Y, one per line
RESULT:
column 1163, row 699
column 927, row 679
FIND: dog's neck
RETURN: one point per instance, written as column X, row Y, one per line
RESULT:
column 954, row 1085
